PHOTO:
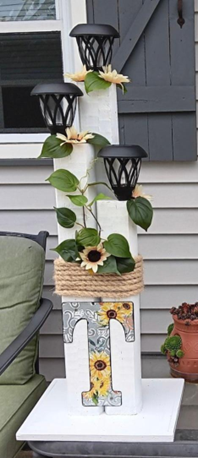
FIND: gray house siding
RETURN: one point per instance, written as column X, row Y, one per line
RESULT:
column 170, row 248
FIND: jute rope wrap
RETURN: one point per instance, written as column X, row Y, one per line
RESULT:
column 73, row 280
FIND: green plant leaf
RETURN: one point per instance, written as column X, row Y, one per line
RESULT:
column 125, row 265
column 95, row 399
column 140, row 211
column 94, row 83
column 100, row 196
column 123, row 88
column 65, row 217
column 52, row 148
column 67, row 250
column 63, row 180
column 99, row 182
column 118, row 246
column 78, row 200
column 88, row 237
column 98, row 140
column 109, row 267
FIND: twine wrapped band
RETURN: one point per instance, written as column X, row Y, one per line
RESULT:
column 73, row 280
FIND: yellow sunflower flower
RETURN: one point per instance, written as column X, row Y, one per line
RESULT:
column 93, row 256
column 104, row 387
column 79, row 76
column 125, row 307
column 74, row 137
column 110, row 310
column 112, row 76
column 100, row 365
column 138, row 192
column 94, row 389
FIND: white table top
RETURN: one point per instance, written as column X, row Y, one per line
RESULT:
column 49, row 420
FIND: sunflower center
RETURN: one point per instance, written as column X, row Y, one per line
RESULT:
column 94, row 256
column 126, row 306
column 100, row 365
column 112, row 314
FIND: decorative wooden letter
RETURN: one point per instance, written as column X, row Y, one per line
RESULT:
column 98, row 316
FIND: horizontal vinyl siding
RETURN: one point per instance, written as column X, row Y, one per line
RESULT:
column 170, row 248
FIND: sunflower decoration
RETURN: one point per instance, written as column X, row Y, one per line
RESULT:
column 73, row 137
column 99, row 388
column 111, row 310
column 79, row 76
column 93, row 257
column 138, row 192
column 104, row 387
column 94, row 390
column 100, row 365
column 127, row 307
column 112, row 76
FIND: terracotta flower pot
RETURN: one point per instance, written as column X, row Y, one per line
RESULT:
column 187, row 367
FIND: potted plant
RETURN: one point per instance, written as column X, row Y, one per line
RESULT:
column 181, row 345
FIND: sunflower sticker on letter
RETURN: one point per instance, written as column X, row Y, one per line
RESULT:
column 98, row 316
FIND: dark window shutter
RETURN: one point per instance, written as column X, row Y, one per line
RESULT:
column 159, row 110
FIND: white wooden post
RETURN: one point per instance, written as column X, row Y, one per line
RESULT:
column 99, row 112
column 125, row 356
column 76, row 353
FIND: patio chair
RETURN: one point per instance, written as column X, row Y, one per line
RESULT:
column 22, row 313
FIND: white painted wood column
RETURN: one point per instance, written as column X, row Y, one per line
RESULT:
column 98, row 112
column 125, row 356
column 76, row 353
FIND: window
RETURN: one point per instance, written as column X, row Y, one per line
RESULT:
column 26, row 59
column 27, row 10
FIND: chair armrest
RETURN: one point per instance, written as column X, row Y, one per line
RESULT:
column 12, row 351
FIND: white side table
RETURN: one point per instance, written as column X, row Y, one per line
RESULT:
column 49, row 420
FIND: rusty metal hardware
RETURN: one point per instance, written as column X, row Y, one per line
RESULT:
column 180, row 20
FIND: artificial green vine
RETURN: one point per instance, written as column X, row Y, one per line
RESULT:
column 115, row 253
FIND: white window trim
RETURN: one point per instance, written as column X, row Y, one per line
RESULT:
column 30, row 26
column 22, row 27
column 69, row 13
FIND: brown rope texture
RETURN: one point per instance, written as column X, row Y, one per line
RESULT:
column 73, row 280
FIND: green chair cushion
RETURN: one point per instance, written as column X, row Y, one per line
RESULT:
column 21, row 279
column 16, row 402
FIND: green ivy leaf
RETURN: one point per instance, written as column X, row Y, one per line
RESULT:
column 140, row 211
column 65, row 217
column 100, row 196
column 99, row 182
column 125, row 265
column 123, row 88
column 109, row 267
column 67, row 250
column 78, row 200
column 118, row 246
column 95, row 399
column 63, row 180
column 94, row 83
column 52, row 148
column 88, row 237
column 98, row 140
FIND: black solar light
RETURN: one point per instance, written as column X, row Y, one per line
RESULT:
column 122, row 164
column 95, row 44
column 58, row 104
